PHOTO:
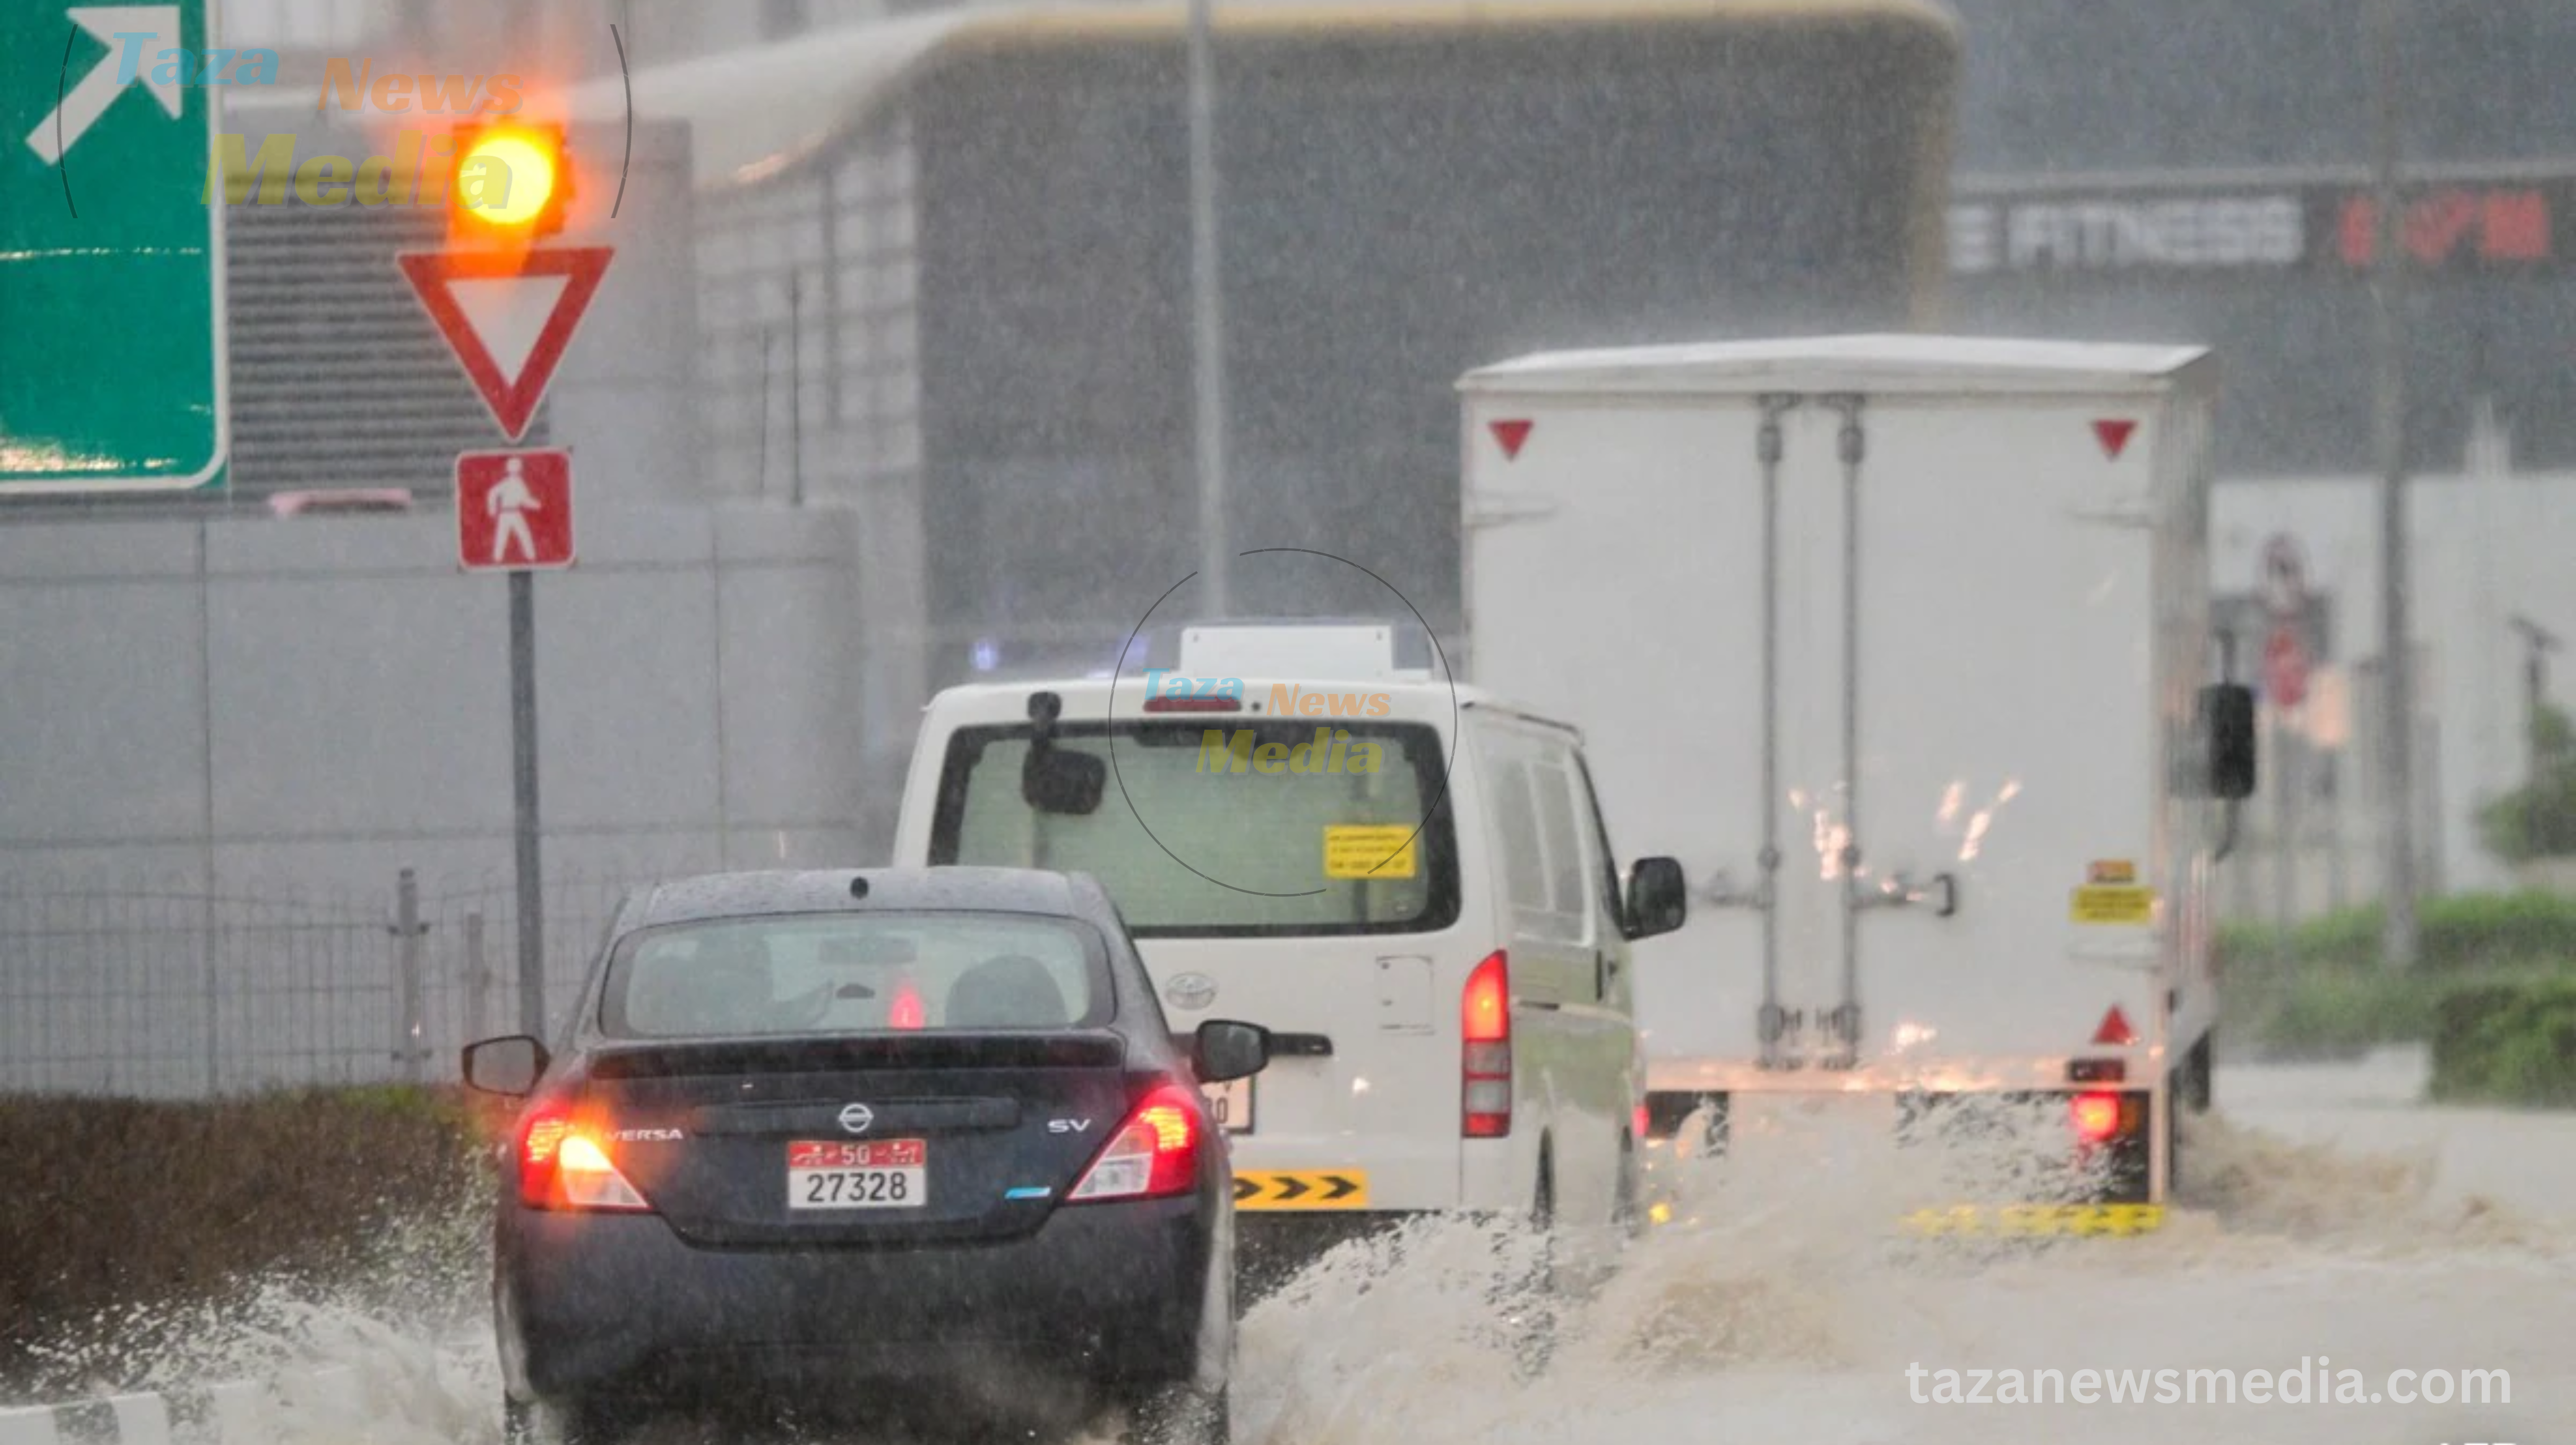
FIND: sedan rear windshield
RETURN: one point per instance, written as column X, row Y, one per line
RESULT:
column 1222, row 827
column 856, row 973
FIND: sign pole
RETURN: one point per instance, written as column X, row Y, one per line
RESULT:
column 2398, row 938
column 523, row 757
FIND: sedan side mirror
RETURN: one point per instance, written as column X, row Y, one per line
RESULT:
column 1225, row 1050
column 2227, row 739
column 1658, row 898
column 509, row 1066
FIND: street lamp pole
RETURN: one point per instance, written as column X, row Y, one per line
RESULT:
column 1207, row 311
column 2399, row 938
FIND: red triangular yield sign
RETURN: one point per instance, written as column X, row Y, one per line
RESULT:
column 2114, row 436
column 1512, row 434
column 508, row 317
column 2115, row 1029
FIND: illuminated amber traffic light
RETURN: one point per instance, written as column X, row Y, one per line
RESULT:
column 509, row 185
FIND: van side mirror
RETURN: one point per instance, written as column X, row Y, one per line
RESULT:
column 509, row 1066
column 1658, row 898
column 1225, row 1050
column 2227, row 739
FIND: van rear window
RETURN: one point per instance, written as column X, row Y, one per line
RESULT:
column 1211, row 827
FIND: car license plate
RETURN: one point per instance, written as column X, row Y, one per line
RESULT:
column 858, row 1174
column 1230, row 1104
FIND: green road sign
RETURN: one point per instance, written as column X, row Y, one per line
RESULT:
column 111, row 251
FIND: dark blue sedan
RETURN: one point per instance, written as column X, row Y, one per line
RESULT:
column 850, row 1143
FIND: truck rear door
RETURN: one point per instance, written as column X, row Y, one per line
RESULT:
column 1647, row 514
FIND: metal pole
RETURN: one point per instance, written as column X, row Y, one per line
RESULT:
column 2398, row 939
column 795, row 391
column 1207, row 310
column 410, row 1030
column 523, row 777
column 2285, row 831
column 478, row 980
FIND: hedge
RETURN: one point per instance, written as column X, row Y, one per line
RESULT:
column 2507, row 1043
column 2460, row 933
column 126, row 1205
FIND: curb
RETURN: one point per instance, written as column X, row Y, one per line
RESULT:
column 238, row 1412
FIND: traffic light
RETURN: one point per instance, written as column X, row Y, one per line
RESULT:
column 509, row 186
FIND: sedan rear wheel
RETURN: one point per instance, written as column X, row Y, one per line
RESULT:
column 580, row 1423
column 1181, row 1415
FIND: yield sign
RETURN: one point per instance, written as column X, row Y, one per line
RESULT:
column 508, row 317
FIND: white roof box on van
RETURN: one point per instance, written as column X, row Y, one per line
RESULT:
column 1341, row 651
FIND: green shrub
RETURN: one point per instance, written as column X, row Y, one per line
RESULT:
column 2462, row 933
column 2507, row 1043
column 2538, row 820
column 2328, row 1014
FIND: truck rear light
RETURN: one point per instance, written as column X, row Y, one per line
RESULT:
column 1485, row 1056
column 563, row 1165
column 2096, row 1117
column 1154, row 1154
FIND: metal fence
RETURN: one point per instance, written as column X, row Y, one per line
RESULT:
column 151, row 990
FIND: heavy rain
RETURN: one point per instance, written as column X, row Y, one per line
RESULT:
column 1293, row 722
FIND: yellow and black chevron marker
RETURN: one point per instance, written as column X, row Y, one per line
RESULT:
column 2036, row 1219
column 1302, row 1189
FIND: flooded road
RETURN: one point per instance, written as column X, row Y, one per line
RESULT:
column 2333, row 1219
column 2327, row 1219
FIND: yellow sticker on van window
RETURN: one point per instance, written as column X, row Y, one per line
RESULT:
column 2116, row 904
column 1369, row 850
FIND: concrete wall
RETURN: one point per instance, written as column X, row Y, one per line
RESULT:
column 326, row 700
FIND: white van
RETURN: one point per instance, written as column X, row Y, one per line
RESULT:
column 1410, row 884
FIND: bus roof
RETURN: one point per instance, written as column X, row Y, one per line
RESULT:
column 1894, row 363
column 761, row 112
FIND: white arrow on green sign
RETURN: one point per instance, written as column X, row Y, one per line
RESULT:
column 111, row 252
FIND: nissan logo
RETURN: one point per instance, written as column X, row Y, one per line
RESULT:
column 857, row 1117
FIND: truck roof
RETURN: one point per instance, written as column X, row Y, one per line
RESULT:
column 1874, row 363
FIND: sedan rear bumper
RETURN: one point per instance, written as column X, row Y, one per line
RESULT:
column 592, row 1303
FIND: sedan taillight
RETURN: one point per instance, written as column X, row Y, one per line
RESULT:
column 564, row 1164
column 1154, row 1154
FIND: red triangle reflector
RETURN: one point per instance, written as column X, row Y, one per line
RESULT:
column 2114, row 436
column 1512, row 434
column 2115, row 1029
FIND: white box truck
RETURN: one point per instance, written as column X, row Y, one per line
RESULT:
column 1902, row 644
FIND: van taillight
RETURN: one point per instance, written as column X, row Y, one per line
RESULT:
column 1193, row 704
column 1485, row 1055
column 566, row 1165
column 1155, row 1153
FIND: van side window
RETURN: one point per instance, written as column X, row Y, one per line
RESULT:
column 1517, row 829
column 1614, row 908
column 1564, row 842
